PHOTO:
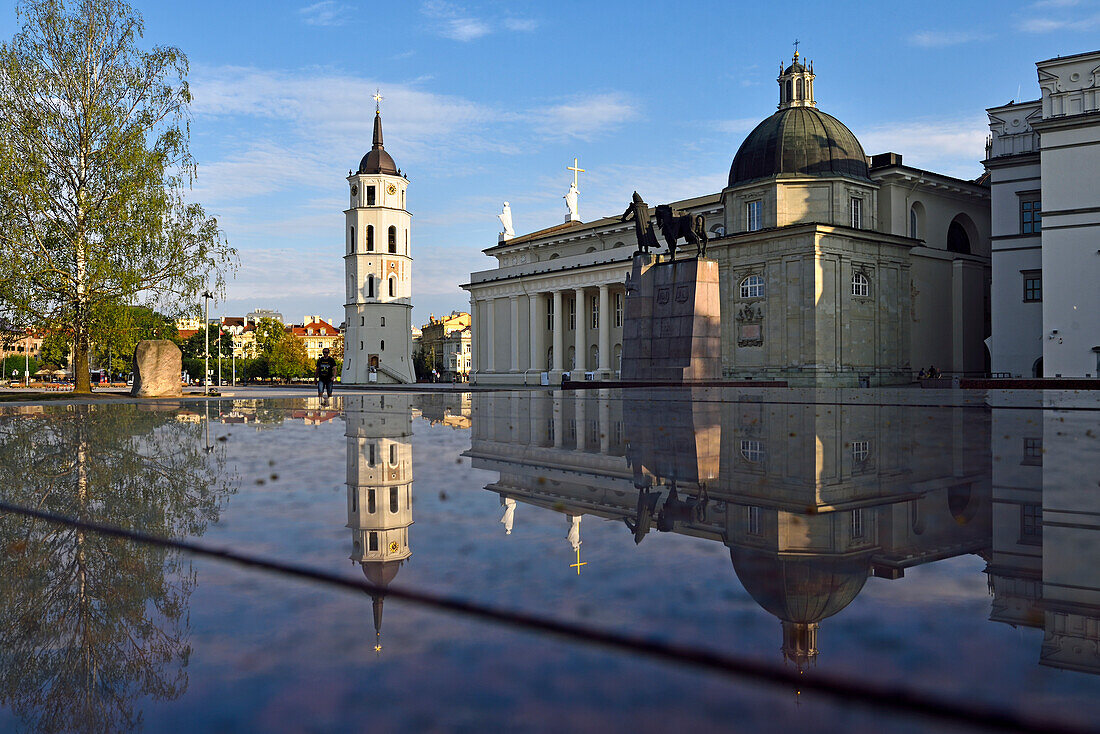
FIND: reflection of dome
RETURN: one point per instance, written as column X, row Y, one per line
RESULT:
column 381, row 573
column 801, row 140
column 800, row 590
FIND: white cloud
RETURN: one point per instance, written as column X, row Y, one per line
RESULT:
column 453, row 22
column 521, row 25
column 314, row 276
column 1074, row 21
column 584, row 117
column 952, row 147
column 326, row 12
column 938, row 39
column 735, row 126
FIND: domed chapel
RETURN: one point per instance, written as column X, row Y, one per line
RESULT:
column 835, row 268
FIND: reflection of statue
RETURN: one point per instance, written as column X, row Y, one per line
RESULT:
column 505, row 218
column 675, row 225
column 643, row 228
column 90, row 624
column 571, row 204
column 509, row 516
column 574, row 535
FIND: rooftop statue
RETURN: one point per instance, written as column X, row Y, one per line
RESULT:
column 505, row 218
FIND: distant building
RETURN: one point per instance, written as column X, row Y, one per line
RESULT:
column 317, row 335
column 447, row 345
column 1044, row 165
column 191, row 325
column 262, row 313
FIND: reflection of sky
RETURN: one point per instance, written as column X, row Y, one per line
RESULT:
column 272, row 655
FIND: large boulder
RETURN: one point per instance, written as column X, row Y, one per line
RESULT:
column 158, row 365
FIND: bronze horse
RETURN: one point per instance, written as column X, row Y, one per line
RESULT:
column 674, row 225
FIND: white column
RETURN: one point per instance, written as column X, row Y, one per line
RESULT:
column 490, row 335
column 559, row 419
column 538, row 351
column 605, row 331
column 475, row 335
column 578, row 418
column 605, row 417
column 579, row 343
column 513, row 327
column 559, row 346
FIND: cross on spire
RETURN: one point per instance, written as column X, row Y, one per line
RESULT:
column 575, row 169
column 796, row 42
column 579, row 562
column 377, row 97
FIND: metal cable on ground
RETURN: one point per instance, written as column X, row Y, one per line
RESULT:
column 861, row 693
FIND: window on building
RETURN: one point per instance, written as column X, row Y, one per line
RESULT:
column 753, row 212
column 382, row 346
column 393, row 239
column 595, row 312
column 861, row 450
column 798, row 88
column 370, row 196
column 370, row 455
column 752, row 287
column 913, row 223
column 1033, row 452
column 393, row 500
column 1033, row 285
column 393, row 287
column 383, row 320
column 861, row 286
column 351, row 242
column 619, row 299
column 370, row 238
column 370, row 501
column 362, row 320
column 370, row 286
column 753, row 450
column 752, row 520
column 393, row 453
column 572, row 313
column 550, row 313
column 372, row 540
column 857, row 212
column 857, row 523
column 1031, row 215
column 1031, row 524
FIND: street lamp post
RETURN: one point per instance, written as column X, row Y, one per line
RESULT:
column 206, row 333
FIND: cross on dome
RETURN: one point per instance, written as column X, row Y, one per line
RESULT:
column 377, row 97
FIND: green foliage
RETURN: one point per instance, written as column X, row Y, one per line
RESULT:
column 289, row 360
column 17, row 362
column 94, row 156
column 258, row 368
column 195, row 345
column 269, row 333
column 421, row 368
column 55, row 349
column 119, row 328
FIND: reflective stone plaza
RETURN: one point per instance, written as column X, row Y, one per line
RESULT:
column 937, row 543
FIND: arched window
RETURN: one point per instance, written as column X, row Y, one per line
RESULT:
column 370, row 238
column 913, row 223
column 753, row 451
column 957, row 239
column 393, row 453
column 370, row 501
column 370, row 286
column 382, row 346
column 393, row 287
column 393, row 239
column 393, row 500
column 798, row 89
column 351, row 242
column 370, row 458
column 752, row 287
column 861, row 286
column 788, row 90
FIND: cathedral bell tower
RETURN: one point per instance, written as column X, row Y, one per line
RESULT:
column 378, row 268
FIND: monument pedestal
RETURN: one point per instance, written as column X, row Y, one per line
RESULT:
column 672, row 329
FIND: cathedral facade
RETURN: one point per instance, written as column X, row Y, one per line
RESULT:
column 834, row 268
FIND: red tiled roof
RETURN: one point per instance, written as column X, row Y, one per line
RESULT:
column 320, row 328
column 188, row 333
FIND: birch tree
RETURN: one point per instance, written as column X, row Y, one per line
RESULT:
column 95, row 172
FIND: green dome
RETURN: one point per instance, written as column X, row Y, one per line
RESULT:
column 803, row 590
column 799, row 140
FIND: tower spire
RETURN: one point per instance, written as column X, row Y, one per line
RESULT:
column 796, row 84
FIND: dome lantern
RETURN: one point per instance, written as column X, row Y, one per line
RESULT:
column 796, row 85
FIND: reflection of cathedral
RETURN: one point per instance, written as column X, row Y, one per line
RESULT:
column 1046, row 533
column 810, row 498
column 379, row 479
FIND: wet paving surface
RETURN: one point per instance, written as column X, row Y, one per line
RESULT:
column 944, row 544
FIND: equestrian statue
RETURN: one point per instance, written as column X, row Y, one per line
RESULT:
column 674, row 225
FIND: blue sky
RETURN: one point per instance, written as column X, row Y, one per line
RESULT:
column 489, row 102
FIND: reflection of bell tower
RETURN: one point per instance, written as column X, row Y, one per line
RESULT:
column 379, row 433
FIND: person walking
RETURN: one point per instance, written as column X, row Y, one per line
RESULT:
column 326, row 371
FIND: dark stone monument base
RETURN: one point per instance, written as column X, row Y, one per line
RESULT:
column 672, row 326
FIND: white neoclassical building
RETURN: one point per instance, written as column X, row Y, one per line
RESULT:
column 834, row 268
column 378, row 268
column 1043, row 158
